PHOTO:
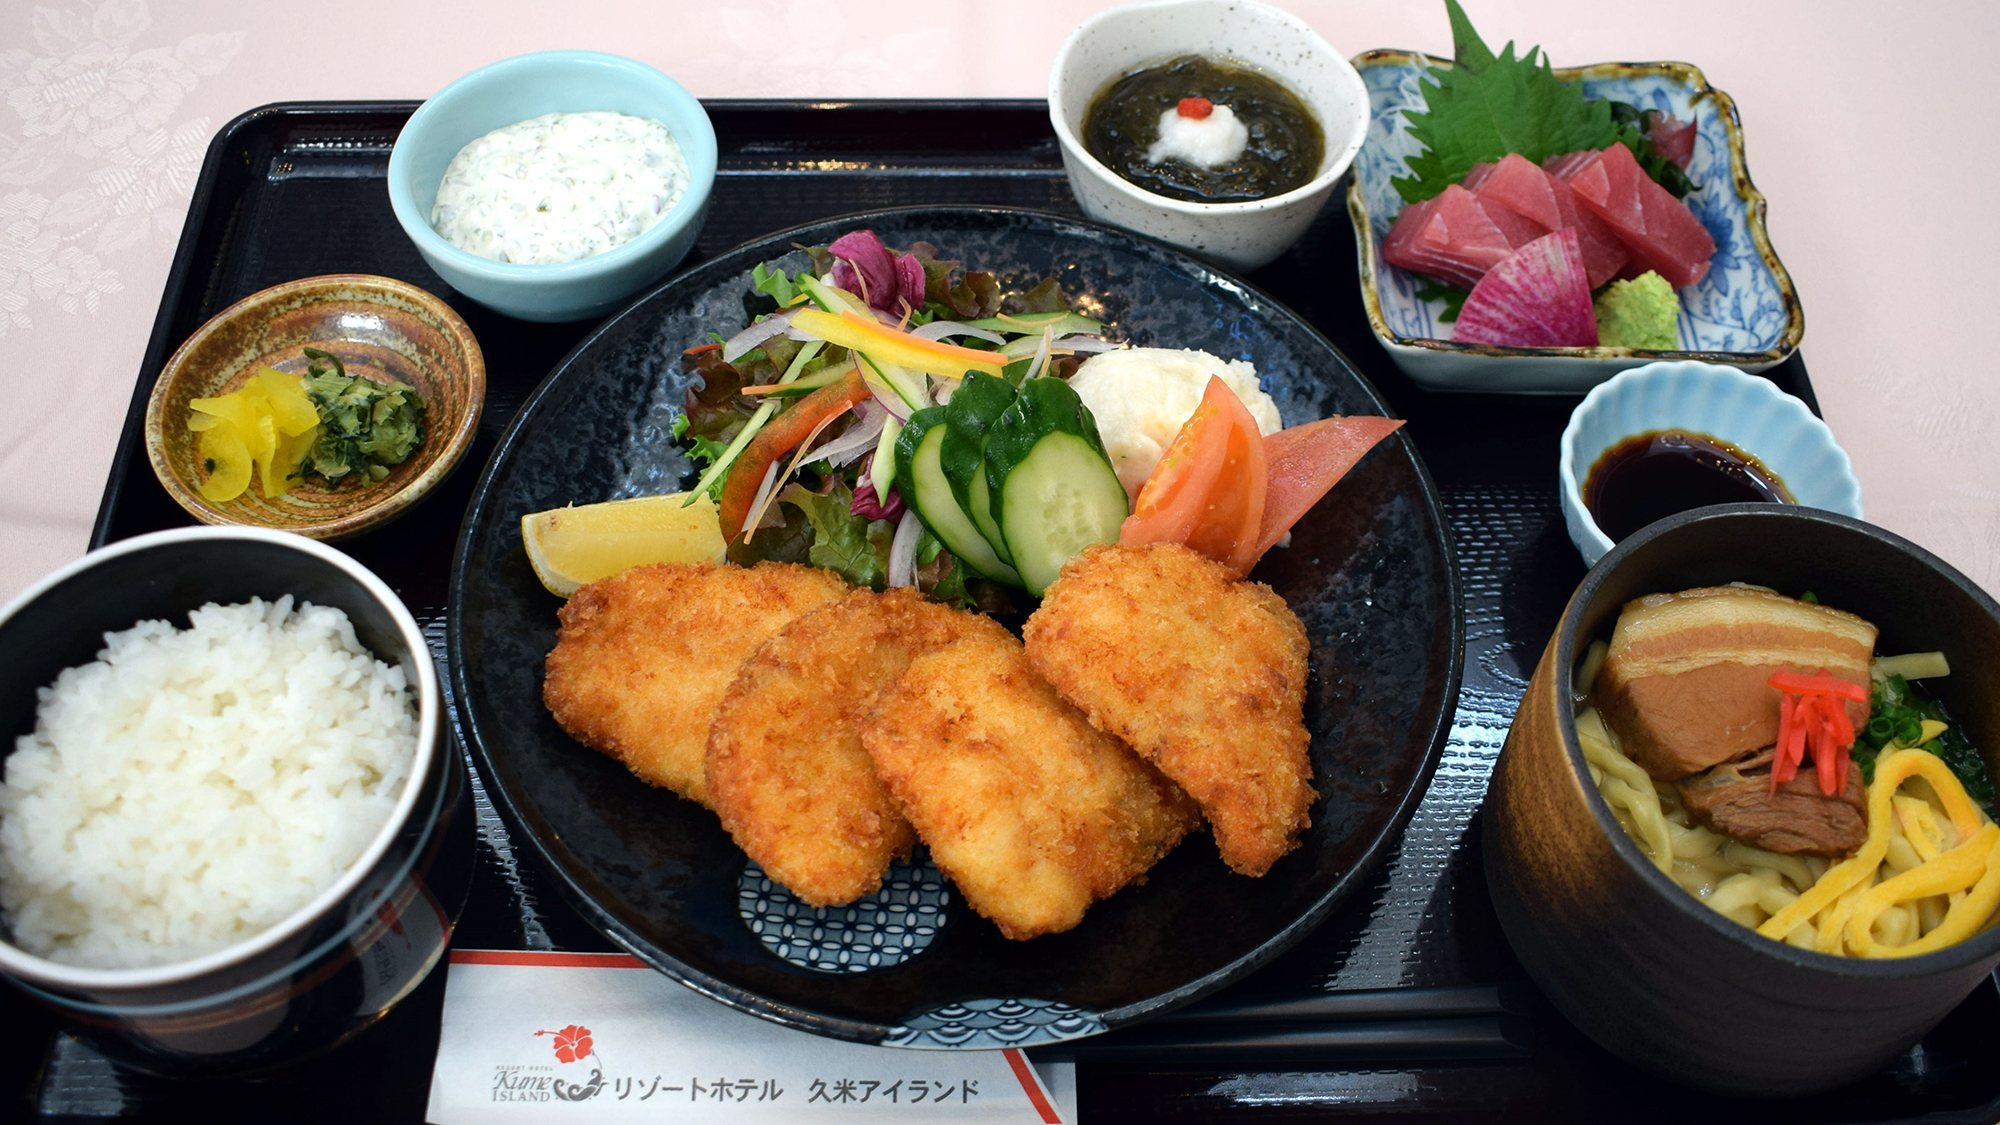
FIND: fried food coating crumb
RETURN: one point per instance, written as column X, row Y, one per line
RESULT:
column 643, row 658
column 1031, row 812
column 1204, row 675
column 787, row 773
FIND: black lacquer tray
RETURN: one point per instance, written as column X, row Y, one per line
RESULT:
column 294, row 190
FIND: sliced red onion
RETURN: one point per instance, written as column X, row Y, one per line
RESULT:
column 857, row 439
column 890, row 401
column 903, row 551
column 763, row 492
column 942, row 329
column 743, row 342
column 1041, row 355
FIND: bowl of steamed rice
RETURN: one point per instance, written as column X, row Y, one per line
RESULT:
column 230, row 831
column 1742, row 830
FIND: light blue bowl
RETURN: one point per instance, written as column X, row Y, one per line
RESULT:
column 1747, row 411
column 528, row 86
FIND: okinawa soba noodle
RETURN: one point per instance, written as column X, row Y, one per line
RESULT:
column 1926, row 875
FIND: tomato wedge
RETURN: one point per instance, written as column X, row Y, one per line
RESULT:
column 1208, row 490
column 777, row 438
column 1305, row 462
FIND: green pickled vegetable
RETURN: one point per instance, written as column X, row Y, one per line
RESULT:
column 365, row 428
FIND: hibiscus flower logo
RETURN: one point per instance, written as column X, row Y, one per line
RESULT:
column 572, row 1042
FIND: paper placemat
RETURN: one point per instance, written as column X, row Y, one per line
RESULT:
column 603, row 1037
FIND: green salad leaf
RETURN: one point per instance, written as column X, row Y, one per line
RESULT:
column 852, row 546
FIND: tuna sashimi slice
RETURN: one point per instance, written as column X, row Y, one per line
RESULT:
column 1673, row 137
column 1609, row 188
column 1660, row 231
column 1454, row 241
column 1521, row 187
column 1475, row 177
column 1518, row 229
column 1403, row 232
column 1539, row 297
column 1564, row 166
column 1603, row 254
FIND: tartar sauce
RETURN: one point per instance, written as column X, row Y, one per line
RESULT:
column 559, row 187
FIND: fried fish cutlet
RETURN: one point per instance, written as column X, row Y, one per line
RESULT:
column 1028, row 809
column 787, row 773
column 643, row 658
column 1202, row 674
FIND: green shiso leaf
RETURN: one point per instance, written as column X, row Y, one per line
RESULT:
column 1490, row 105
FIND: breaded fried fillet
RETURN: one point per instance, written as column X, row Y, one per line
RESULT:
column 786, row 770
column 643, row 658
column 1030, row 811
column 1202, row 674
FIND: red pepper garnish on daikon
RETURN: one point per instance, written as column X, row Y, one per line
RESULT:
column 1195, row 109
column 1812, row 716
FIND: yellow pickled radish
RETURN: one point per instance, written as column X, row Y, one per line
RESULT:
column 266, row 427
column 571, row 546
column 291, row 407
column 227, row 462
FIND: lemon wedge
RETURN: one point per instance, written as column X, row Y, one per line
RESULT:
column 583, row 543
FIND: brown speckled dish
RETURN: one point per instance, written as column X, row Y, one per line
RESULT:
column 381, row 329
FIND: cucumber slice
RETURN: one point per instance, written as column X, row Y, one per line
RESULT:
column 928, row 493
column 979, row 400
column 1052, row 489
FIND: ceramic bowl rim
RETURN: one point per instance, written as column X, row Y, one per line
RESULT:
column 1334, row 165
column 391, row 503
column 1572, row 476
column 1756, row 225
column 18, row 962
column 1980, row 947
column 701, row 157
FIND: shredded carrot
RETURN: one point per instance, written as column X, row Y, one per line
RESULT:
column 700, row 348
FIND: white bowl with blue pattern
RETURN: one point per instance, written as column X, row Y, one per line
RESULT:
column 1747, row 411
column 1745, row 313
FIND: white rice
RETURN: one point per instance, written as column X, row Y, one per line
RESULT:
column 190, row 788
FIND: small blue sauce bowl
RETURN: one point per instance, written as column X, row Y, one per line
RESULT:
column 337, row 964
column 527, row 86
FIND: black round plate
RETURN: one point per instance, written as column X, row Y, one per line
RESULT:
column 1369, row 572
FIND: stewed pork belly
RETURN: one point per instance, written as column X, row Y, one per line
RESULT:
column 1685, row 688
column 1685, row 683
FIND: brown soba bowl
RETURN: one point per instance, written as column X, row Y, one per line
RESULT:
column 1640, row 965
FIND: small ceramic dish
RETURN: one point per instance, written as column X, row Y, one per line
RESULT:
column 342, row 959
column 1240, row 236
column 1643, row 967
column 1745, row 312
column 528, row 86
column 380, row 328
column 1747, row 411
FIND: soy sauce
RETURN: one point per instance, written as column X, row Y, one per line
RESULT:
column 1654, row 475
